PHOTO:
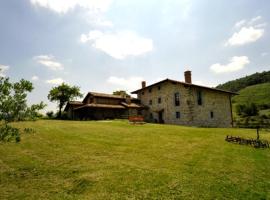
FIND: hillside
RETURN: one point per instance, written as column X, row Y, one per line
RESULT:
column 241, row 83
column 258, row 94
column 116, row 160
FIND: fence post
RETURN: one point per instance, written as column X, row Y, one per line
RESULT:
column 258, row 135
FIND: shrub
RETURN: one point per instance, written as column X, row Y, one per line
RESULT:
column 8, row 134
column 247, row 109
column 49, row 114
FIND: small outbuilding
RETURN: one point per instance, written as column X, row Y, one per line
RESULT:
column 98, row 106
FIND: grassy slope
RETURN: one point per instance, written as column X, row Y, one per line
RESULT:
column 115, row 160
column 259, row 94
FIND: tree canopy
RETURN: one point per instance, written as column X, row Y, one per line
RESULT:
column 63, row 94
column 13, row 102
column 120, row 92
column 241, row 83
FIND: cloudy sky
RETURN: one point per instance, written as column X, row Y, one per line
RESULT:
column 105, row 45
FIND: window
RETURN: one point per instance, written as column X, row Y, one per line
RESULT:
column 177, row 99
column 150, row 102
column 150, row 90
column 159, row 100
column 151, row 115
column 212, row 114
column 142, row 93
column 159, row 87
column 199, row 97
column 177, row 115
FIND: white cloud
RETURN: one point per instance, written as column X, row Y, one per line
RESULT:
column 118, row 45
column 245, row 35
column 63, row 6
column 250, row 22
column 240, row 23
column 49, row 61
column 35, row 78
column 236, row 63
column 3, row 69
column 255, row 19
column 56, row 81
column 129, row 84
column 250, row 31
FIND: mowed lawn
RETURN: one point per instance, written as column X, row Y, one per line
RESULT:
column 116, row 160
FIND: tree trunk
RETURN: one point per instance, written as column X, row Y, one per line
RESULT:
column 60, row 111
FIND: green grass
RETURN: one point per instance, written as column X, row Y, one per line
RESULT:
column 115, row 160
column 258, row 94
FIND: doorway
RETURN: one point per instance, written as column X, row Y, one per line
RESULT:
column 160, row 117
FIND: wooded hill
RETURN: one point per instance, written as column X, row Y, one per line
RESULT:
column 252, row 89
column 241, row 83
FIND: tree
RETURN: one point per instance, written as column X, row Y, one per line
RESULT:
column 247, row 109
column 63, row 94
column 120, row 92
column 13, row 106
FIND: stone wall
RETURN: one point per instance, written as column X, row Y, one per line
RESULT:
column 191, row 113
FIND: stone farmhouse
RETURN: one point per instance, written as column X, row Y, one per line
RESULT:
column 167, row 101
column 184, row 103
column 97, row 106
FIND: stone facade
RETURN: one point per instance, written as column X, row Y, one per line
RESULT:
column 198, row 105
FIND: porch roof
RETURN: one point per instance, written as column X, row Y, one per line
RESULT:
column 131, row 105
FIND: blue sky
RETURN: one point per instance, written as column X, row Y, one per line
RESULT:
column 106, row 45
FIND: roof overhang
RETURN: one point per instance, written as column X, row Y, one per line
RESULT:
column 94, row 105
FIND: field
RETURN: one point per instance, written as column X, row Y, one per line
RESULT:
column 115, row 160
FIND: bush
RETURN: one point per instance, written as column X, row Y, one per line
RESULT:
column 49, row 114
column 8, row 134
column 247, row 109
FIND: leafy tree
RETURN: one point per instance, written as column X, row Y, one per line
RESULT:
column 120, row 92
column 63, row 94
column 13, row 106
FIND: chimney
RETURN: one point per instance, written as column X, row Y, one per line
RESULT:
column 188, row 77
column 143, row 84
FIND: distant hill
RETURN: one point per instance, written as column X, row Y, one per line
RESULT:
column 241, row 83
column 258, row 94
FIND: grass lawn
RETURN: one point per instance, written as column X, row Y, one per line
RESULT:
column 115, row 160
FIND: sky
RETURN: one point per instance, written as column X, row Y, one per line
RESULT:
column 108, row 45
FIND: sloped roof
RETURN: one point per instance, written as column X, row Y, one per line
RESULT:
column 184, row 83
column 73, row 103
column 95, row 105
column 131, row 105
column 103, row 95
